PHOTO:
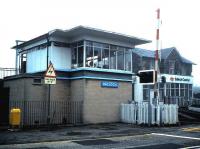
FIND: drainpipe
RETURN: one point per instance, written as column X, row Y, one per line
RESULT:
column 49, row 87
column 16, row 61
column 16, row 56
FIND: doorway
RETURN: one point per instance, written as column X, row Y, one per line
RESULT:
column 4, row 106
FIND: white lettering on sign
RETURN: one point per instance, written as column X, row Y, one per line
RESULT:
column 178, row 79
column 50, row 75
column 48, row 80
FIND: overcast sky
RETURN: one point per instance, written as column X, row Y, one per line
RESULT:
column 26, row 19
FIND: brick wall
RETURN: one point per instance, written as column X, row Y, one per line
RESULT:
column 77, row 90
column 25, row 89
column 16, row 89
column 102, row 105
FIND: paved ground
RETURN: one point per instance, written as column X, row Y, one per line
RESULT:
column 104, row 136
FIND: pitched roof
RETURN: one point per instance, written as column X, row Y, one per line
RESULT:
column 144, row 52
column 164, row 54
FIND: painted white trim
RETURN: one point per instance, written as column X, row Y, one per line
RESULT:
column 94, row 78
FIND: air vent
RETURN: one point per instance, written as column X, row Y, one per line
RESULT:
column 37, row 81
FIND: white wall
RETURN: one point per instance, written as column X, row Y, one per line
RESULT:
column 60, row 57
column 36, row 60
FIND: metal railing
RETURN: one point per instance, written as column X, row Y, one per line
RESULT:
column 61, row 112
column 5, row 72
column 180, row 101
column 195, row 102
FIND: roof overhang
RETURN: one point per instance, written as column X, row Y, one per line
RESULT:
column 93, row 32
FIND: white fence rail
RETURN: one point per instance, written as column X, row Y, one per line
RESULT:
column 5, row 72
column 143, row 113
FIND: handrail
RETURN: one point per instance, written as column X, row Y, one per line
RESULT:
column 5, row 72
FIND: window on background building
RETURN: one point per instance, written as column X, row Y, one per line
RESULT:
column 172, row 89
column 171, row 66
column 177, row 89
column 177, row 68
column 182, row 90
column 146, row 93
column 113, row 57
column 120, row 58
column 161, row 91
column 144, row 65
column 190, row 91
column 168, row 89
column 186, row 90
column 151, row 64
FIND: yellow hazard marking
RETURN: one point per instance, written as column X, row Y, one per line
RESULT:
column 192, row 129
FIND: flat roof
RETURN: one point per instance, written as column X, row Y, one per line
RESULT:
column 83, row 30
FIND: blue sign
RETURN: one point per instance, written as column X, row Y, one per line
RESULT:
column 109, row 84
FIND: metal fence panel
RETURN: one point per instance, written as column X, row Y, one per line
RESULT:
column 61, row 112
column 139, row 113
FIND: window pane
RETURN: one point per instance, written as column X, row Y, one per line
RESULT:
column 89, row 57
column 74, row 58
column 97, row 57
column 80, row 43
column 96, row 44
column 128, row 60
column 120, row 59
column 89, row 43
column 105, row 58
column 113, row 54
column 105, row 46
column 80, row 57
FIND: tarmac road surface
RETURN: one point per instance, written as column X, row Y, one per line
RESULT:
column 152, row 138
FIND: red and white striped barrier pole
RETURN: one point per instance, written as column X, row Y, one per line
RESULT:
column 156, row 85
column 157, row 41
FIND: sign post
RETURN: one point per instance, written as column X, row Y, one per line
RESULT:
column 49, row 78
